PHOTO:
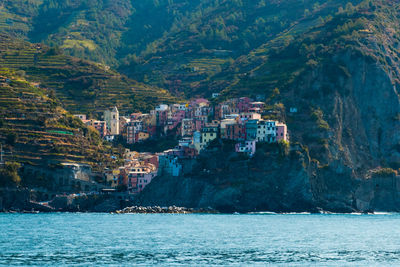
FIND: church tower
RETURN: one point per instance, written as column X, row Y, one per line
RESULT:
column 112, row 120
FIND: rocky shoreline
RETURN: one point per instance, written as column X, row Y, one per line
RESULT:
column 168, row 210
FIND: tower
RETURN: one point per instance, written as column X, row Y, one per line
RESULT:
column 112, row 119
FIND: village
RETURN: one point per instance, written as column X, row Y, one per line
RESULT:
column 194, row 124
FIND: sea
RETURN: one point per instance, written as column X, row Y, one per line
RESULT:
column 261, row 239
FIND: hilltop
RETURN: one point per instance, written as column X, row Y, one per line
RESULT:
column 188, row 47
column 81, row 86
column 328, row 68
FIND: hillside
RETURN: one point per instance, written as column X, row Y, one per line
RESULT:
column 35, row 130
column 81, row 86
column 180, row 45
column 329, row 67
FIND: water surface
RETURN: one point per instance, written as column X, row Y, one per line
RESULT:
column 168, row 239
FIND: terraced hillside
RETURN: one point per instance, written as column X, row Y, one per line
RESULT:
column 81, row 86
column 34, row 129
column 181, row 45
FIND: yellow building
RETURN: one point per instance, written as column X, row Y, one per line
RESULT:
column 143, row 136
column 208, row 134
column 112, row 178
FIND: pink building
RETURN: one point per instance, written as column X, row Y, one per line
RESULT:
column 176, row 118
column 178, row 115
column 248, row 147
column 245, row 116
column 243, row 104
column 199, row 123
column 144, row 179
column 281, row 132
column 138, row 179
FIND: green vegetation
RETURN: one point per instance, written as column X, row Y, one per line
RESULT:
column 198, row 47
column 291, row 53
column 384, row 172
column 194, row 47
column 318, row 116
column 80, row 86
column 36, row 130
column 9, row 174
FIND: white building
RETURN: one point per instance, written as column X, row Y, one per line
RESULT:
column 161, row 107
column 266, row 131
column 187, row 127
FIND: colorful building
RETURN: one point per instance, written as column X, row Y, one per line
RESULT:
column 281, row 132
column 266, row 131
column 247, row 147
column 112, row 119
column 251, row 129
column 235, row 132
column 208, row 134
column 169, row 165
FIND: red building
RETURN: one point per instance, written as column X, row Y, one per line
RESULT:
column 235, row 132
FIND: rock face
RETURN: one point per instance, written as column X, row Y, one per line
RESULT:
column 348, row 123
column 379, row 194
column 359, row 101
column 90, row 203
column 270, row 181
column 14, row 199
column 23, row 200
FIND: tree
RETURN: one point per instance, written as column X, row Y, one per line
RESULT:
column 9, row 174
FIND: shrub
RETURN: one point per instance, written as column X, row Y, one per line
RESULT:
column 9, row 174
column 317, row 115
column 384, row 172
column 283, row 147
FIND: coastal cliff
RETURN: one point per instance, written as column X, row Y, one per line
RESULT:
column 347, row 123
column 229, row 183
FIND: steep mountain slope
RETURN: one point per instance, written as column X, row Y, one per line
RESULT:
column 341, row 75
column 174, row 44
column 80, row 85
column 333, row 63
column 35, row 130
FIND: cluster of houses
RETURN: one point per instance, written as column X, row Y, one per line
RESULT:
column 138, row 171
column 195, row 124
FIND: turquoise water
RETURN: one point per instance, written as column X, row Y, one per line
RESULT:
column 156, row 239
